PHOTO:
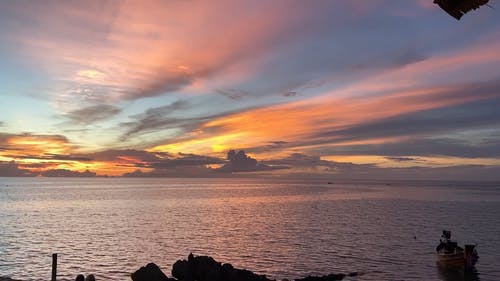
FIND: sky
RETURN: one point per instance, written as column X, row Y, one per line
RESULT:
column 349, row 89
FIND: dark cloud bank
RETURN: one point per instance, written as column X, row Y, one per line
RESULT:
column 191, row 165
column 157, row 164
column 12, row 169
column 238, row 164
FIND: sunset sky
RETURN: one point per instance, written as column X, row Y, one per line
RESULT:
column 360, row 88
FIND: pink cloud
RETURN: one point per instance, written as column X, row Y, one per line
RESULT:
column 112, row 51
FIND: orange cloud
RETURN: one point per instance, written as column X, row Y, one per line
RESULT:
column 385, row 94
column 38, row 153
column 298, row 122
column 36, row 145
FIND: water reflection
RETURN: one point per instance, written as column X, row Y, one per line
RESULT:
column 457, row 274
column 111, row 227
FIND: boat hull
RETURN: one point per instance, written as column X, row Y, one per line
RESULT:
column 451, row 260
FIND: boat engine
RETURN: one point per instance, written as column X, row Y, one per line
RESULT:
column 471, row 255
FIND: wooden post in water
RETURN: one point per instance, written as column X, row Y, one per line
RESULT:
column 54, row 267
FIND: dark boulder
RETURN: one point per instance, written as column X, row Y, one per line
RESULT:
column 179, row 269
column 150, row 272
column 205, row 268
column 329, row 277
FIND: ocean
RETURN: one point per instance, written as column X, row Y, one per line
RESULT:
column 282, row 228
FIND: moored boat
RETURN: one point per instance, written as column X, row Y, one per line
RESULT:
column 449, row 254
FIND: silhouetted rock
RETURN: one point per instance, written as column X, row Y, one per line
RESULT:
column 205, row 268
column 329, row 277
column 179, row 269
column 7, row 279
column 150, row 272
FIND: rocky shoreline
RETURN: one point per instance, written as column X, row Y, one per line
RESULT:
column 205, row 268
column 7, row 279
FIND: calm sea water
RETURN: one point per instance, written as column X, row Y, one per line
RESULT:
column 285, row 229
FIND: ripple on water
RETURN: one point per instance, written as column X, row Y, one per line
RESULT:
column 110, row 227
